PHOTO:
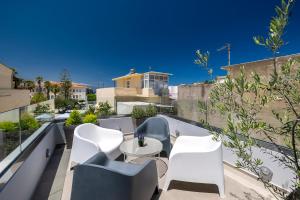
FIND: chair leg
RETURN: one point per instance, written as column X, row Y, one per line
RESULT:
column 167, row 183
column 221, row 190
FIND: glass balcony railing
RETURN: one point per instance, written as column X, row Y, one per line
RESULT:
column 19, row 125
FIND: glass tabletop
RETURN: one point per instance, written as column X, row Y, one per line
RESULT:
column 151, row 147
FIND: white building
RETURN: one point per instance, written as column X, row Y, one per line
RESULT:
column 79, row 91
column 173, row 92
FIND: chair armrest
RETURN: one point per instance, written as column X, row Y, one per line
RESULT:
column 83, row 149
column 99, row 159
column 145, row 181
column 94, row 182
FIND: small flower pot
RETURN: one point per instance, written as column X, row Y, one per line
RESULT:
column 141, row 140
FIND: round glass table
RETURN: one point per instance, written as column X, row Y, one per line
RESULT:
column 131, row 147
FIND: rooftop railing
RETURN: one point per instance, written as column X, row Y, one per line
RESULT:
column 19, row 128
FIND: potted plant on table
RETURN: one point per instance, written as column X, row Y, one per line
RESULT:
column 141, row 140
column 71, row 123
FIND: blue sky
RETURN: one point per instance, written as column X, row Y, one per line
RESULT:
column 99, row 40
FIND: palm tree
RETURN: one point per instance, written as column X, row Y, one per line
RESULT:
column 17, row 81
column 39, row 80
column 29, row 84
column 55, row 89
column 48, row 86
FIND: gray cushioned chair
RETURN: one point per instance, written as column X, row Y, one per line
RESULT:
column 101, row 178
column 158, row 128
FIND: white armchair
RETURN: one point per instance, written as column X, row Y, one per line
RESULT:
column 196, row 159
column 90, row 139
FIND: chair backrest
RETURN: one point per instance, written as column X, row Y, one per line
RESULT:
column 210, row 144
column 88, row 131
column 155, row 126
column 199, row 144
column 123, row 124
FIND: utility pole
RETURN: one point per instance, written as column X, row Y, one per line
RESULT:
column 226, row 46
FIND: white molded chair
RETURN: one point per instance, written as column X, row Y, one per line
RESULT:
column 196, row 159
column 90, row 139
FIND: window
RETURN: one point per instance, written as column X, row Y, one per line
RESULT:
column 128, row 84
column 146, row 84
column 151, row 84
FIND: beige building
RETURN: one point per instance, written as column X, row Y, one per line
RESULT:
column 11, row 98
column 262, row 67
column 143, row 87
column 190, row 95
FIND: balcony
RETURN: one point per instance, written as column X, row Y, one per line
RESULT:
column 38, row 167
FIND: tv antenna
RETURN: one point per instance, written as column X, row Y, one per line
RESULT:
column 226, row 46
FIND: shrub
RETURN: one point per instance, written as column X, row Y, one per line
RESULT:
column 59, row 103
column 42, row 109
column 168, row 110
column 104, row 108
column 28, row 122
column 91, row 110
column 38, row 97
column 65, row 104
column 209, row 81
column 8, row 126
column 74, row 119
column 138, row 112
column 91, row 97
column 90, row 118
column 151, row 111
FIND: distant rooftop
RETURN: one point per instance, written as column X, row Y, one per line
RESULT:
column 74, row 85
column 259, row 61
column 133, row 73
